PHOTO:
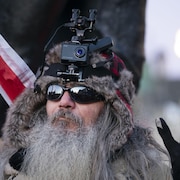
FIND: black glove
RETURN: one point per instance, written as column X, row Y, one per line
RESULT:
column 172, row 146
column 16, row 159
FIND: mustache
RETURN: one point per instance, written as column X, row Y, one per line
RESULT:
column 66, row 115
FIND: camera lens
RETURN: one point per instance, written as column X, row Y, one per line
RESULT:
column 79, row 52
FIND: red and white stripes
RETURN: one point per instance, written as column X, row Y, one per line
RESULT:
column 15, row 75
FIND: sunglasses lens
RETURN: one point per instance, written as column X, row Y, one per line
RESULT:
column 54, row 92
column 82, row 94
column 79, row 94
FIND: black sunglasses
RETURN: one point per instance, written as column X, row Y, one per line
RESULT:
column 79, row 94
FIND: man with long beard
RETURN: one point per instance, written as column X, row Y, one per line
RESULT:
column 77, row 124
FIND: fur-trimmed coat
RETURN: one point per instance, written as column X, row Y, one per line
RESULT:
column 125, row 162
column 119, row 170
column 132, row 152
column 138, row 152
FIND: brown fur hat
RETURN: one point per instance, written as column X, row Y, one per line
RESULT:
column 116, row 86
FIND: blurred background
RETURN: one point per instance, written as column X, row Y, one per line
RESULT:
column 159, row 94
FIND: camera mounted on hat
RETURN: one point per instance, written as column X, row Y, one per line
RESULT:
column 75, row 54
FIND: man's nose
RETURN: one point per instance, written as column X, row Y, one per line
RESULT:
column 66, row 101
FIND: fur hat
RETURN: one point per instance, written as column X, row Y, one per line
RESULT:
column 106, row 74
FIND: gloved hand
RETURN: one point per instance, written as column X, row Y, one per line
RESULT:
column 16, row 159
column 172, row 146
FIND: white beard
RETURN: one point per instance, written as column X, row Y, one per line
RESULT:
column 60, row 154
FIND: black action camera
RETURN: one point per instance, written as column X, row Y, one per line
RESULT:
column 78, row 50
column 75, row 53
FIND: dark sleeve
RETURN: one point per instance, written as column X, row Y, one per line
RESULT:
column 172, row 146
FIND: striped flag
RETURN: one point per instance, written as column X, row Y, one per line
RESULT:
column 15, row 75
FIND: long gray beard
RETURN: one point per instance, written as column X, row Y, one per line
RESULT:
column 60, row 154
